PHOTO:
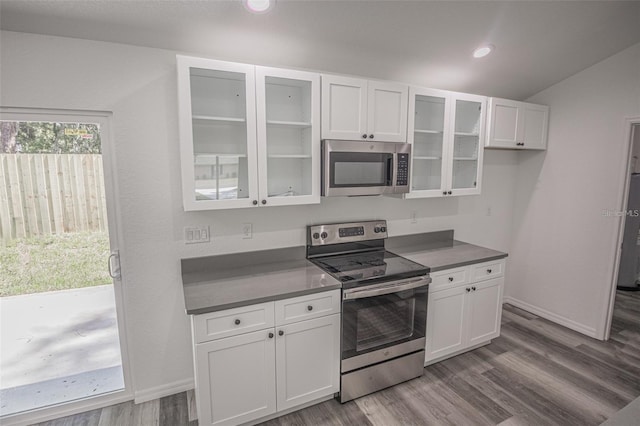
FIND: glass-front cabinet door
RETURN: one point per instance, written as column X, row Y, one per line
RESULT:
column 468, row 144
column 429, row 134
column 446, row 130
column 249, row 136
column 288, row 122
column 217, row 133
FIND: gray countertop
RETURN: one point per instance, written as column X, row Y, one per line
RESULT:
column 439, row 251
column 227, row 281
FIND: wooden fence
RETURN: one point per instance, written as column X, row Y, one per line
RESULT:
column 43, row 194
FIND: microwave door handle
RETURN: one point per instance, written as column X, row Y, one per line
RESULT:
column 391, row 172
column 404, row 285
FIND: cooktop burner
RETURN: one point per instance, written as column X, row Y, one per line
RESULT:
column 360, row 268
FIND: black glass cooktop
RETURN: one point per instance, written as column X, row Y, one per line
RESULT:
column 355, row 269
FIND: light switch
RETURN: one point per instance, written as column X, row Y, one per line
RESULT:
column 197, row 234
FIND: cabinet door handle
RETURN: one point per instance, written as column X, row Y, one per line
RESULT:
column 449, row 192
column 254, row 202
column 264, row 202
column 309, row 308
column 270, row 335
column 364, row 136
column 444, row 192
column 370, row 136
column 468, row 289
column 473, row 288
column 488, row 271
column 237, row 322
column 281, row 333
column 450, row 279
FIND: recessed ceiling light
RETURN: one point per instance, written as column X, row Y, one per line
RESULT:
column 483, row 51
column 259, row 6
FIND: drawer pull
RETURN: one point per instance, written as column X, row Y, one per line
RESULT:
column 488, row 271
column 309, row 308
column 237, row 322
column 450, row 279
column 473, row 288
column 270, row 335
column 280, row 333
column 468, row 289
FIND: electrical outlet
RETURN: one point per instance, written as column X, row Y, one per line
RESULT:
column 414, row 219
column 247, row 231
column 197, row 234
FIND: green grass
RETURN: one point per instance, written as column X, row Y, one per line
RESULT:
column 54, row 262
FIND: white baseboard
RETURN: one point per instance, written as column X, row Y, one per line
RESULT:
column 558, row 319
column 150, row 394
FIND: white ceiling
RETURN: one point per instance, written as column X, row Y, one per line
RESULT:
column 423, row 42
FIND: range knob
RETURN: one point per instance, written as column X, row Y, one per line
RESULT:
column 324, row 235
column 377, row 229
column 383, row 229
column 316, row 235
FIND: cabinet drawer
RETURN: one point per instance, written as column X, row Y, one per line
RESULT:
column 231, row 322
column 307, row 307
column 487, row 270
column 449, row 278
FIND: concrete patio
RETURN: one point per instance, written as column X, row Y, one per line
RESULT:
column 57, row 347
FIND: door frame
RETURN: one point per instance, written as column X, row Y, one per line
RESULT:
column 625, row 178
column 104, row 119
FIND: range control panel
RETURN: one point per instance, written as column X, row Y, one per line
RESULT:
column 337, row 233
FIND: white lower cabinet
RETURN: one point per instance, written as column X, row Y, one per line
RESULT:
column 252, row 375
column 236, row 377
column 307, row 361
column 485, row 311
column 465, row 313
column 445, row 322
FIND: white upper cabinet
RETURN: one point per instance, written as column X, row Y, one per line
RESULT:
column 446, row 130
column 430, row 136
column 355, row 109
column 217, row 115
column 249, row 135
column 344, row 108
column 288, row 107
column 517, row 125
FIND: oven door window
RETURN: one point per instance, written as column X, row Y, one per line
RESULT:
column 358, row 169
column 378, row 322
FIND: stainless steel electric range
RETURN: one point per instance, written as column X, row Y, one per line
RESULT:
column 384, row 305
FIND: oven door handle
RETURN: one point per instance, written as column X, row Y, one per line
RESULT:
column 386, row 289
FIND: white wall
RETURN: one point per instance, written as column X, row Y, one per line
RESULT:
column 139, row 86
column 563, row 247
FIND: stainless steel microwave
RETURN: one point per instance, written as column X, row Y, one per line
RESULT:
column 351, row 168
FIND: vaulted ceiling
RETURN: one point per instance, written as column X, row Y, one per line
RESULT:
column 538, row 43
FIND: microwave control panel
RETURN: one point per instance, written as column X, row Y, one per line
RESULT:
column 402, row 178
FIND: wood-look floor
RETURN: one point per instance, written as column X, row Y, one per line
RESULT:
column 535, row 373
